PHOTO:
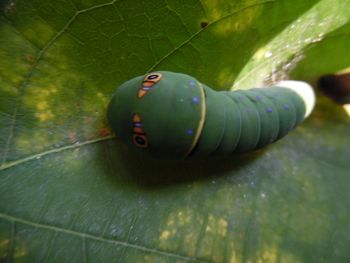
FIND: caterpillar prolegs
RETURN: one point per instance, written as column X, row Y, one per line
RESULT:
column 174, row 116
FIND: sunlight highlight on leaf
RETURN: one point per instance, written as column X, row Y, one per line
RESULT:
column 347, row 109
column 309, row 28
column 241, row 21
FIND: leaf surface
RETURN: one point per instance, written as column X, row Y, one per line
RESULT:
column 71, row 192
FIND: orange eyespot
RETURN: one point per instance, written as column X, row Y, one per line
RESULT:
column 148, row 82
column 139, row 137
column 153, row 77
column 136, row 118
column 138, row 130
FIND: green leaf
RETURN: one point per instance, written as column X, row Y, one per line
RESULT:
column 71, row 192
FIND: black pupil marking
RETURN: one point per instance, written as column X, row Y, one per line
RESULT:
column 140, row 140
column 152, row 76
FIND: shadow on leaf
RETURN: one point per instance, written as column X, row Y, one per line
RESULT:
column 159, row 173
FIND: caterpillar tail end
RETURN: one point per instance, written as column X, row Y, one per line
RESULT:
column 304, row 90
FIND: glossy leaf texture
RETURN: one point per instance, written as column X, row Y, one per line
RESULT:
column 71, row 192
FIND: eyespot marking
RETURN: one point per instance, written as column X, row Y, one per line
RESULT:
column 140, row 140
column 139, row 137
column 148, row 82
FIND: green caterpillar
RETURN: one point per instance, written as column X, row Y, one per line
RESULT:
column 172, row 115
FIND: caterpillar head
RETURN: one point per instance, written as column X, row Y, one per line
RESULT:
column 160, row 114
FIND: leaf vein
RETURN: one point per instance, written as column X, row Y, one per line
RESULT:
column 52, row 151
column 51, row 243
column 11, row 242
column 15, row 219
column 29, row 75
column 83, row 248
column 187, row 41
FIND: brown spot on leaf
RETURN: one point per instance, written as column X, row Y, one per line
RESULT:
column 30, row 58
column 204, row 24
column 103, row 132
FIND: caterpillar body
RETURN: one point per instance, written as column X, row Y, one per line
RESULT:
column 174, row 116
